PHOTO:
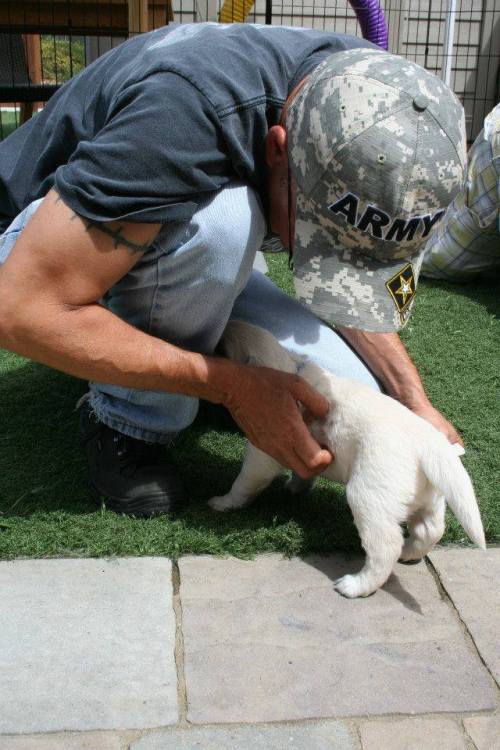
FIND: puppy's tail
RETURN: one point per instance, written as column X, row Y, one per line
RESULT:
column 444, row 470
column 250, row 345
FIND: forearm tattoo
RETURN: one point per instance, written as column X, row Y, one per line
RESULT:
column 115, row 233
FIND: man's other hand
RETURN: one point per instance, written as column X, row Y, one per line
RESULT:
column 432, row 415
column 265, row 405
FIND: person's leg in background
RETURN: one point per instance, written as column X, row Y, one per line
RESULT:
column 466, row 243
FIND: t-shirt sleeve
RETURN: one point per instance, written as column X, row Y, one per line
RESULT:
column 158, row 153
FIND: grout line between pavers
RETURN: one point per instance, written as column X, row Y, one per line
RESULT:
column 353, row 723
column 446, row 596
column 179, row 655
column 471, row 745
column 457, row 719
column 357, row 733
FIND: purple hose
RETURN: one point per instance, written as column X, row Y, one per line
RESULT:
column 371, row 20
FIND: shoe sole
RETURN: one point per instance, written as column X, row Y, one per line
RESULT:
column 137, row 508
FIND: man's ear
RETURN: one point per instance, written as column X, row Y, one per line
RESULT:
column 276, row 145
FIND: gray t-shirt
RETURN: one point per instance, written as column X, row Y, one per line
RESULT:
column 156, row 124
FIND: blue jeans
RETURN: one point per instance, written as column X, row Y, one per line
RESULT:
column 196, row 276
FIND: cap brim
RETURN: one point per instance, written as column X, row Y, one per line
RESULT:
column 346, row 287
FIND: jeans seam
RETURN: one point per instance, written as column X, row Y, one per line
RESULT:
column 154, row 295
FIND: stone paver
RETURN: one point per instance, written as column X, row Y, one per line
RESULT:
column 412, row 734
column 86, row 644
column 270, row 640
column 333, row 735
column 484, row 731
column 471, row 578
column 66, row 741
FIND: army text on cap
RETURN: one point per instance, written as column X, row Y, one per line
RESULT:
column 375, row 221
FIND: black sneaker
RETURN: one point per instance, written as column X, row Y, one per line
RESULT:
column 127, row 475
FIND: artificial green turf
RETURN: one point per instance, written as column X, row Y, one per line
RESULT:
column 44, row 508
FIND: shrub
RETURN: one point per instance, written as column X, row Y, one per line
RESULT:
column 62, row 58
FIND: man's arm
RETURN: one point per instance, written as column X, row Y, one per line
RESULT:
column 50, row 286
column 386, row 356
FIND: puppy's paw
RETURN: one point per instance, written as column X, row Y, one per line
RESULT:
column 352, row 586
column 222, row 503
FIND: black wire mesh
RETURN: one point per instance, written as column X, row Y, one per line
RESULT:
column 54, row 39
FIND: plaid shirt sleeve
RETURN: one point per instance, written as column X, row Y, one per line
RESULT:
column 467, row 241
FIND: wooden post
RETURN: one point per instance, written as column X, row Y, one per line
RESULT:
column 138, row 21
column 34, row 57
column 34, row 60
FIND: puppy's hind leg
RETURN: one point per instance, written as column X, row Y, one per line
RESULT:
column 426, row 527
column 382, row 540
column 257, row 472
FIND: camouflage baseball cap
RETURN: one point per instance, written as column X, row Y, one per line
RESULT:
column 377, row 148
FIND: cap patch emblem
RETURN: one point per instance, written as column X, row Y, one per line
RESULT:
column 401, row 287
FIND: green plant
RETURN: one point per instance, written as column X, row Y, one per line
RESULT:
column 62, row 58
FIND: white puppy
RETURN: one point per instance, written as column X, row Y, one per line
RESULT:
column 396, row 466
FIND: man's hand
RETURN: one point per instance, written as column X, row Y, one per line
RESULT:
column 264, row 403
column 432, row 415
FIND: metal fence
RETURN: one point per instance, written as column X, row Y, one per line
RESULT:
column 44, row 42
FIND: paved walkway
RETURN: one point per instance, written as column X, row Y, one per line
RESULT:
column 219, row 654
